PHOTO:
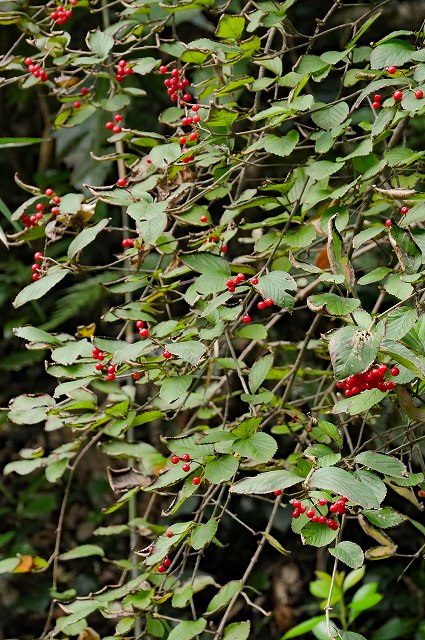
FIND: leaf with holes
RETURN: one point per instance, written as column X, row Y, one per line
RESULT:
column 352, row 350
column 275, row 285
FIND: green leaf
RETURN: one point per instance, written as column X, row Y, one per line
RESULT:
column 338, row 258
column 374, row 276
column 360, row 403
column 260, row 447
column 33, row 334
column 328, row 117
column 303, row 627
column 203, row 534
column 383, row 518
column 174, row 388
column 350, row 635
column 406, row 249
column 70, row 352
column 100, row 43
column 259, row 371
column 86, row 237
column 304, row 236
column 404, row 356
column 237, row 631
column 151, row 217
column 342, row 482
column 266, row 482
column 281, row 146
column 388, row 465
column 323, row 169
column 187, row 630
column 276, row 285
column 38, row 289
column 317, row 535
column 189, row 351
column 83, row 551
column 396, row 52
column 230, row 28
column 19, row 142
column 224, row 596
column 415, row 215
column 372, row 483
column 352, row 351
column 8, row 564
column 24, row 467
column 330, row 303
column 145, row 65
column 349, row 553
column 324, row 455
column 253, row 332
column 221, row 470
column 207, row 263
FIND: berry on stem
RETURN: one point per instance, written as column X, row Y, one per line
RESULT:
column 395, row 371
column 186, row 457
column 388, row 223
column 175, row 459
column 121, row 182
column 166, row 354
column 404, row 210
column 419, row 94
column 397, row 95
column 246, row 319
column 391, row 70
column 261, row 305
column 186, row 467
column 137, row 375
column 196, row 480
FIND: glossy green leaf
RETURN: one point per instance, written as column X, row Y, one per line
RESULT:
column 203, row 534
column 342, row 482
column 38, row 289
column 266, row 482
column 349, row 553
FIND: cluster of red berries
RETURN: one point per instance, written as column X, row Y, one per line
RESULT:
column 100, row 355
column 115, row 127
column 176, row 85
column 370, row 379
column 398, row 95
column 60, row 14
column 35, row 268
column 122, row 69
column 403, row 210
column 177, row 90
column 128, row 242
column 34, row 219
column 186, row 467
column 213, row 238
column 377, row 99
column 164, row 566
column 36, row 70
column 337, row 507
column 143, row 331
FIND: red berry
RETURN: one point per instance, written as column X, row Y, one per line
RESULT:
column 186, row 457
column 166, row 562
column 382, row 369
column 322, row 519
column 36, row 276
column 261, row 305
column 137, row 375
column 224, row 248
column 278, row 492
column 404, row 210
column 111, row 368
column 397, row 95
column 84, row 91
column 389, row 386
column 109, row 125
column 394, row 371
column 254, row 280
column 340, row 385
column 231, row 289
column 296, row 504
column 28, row 61
column 186, row 467
column 295, row 513
column 39, row 206
column 302, row 509
column 310, row 513
column 315, row 519
column 143, row 333
column 122, row 63
column 118, row 117
column 187, row 97
column 169, row 533
column 163, row 69
column 77, row 104
column 111, row 376
column 229, row 283
column 196, row 118
column 182, row 140
column 148, row 160
column 193, row 136
column 175, row 73
column 322, row 502
column 195, row 107
column 203, row 219
column 121, row 182
column 391, row 70
column 186, row 121
column 388, row 223
column 161, row 569
column 376, row 105
column 56, row 199
column 49, row 192
column 196, row 480
column 175, row 459
column 246, row 319
column 419, row 94
column 140, row 324
column 99, row 366
column 333, row 508
column 38, row 256
column 116, row 129
column 269, row 302
column 377, row 97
